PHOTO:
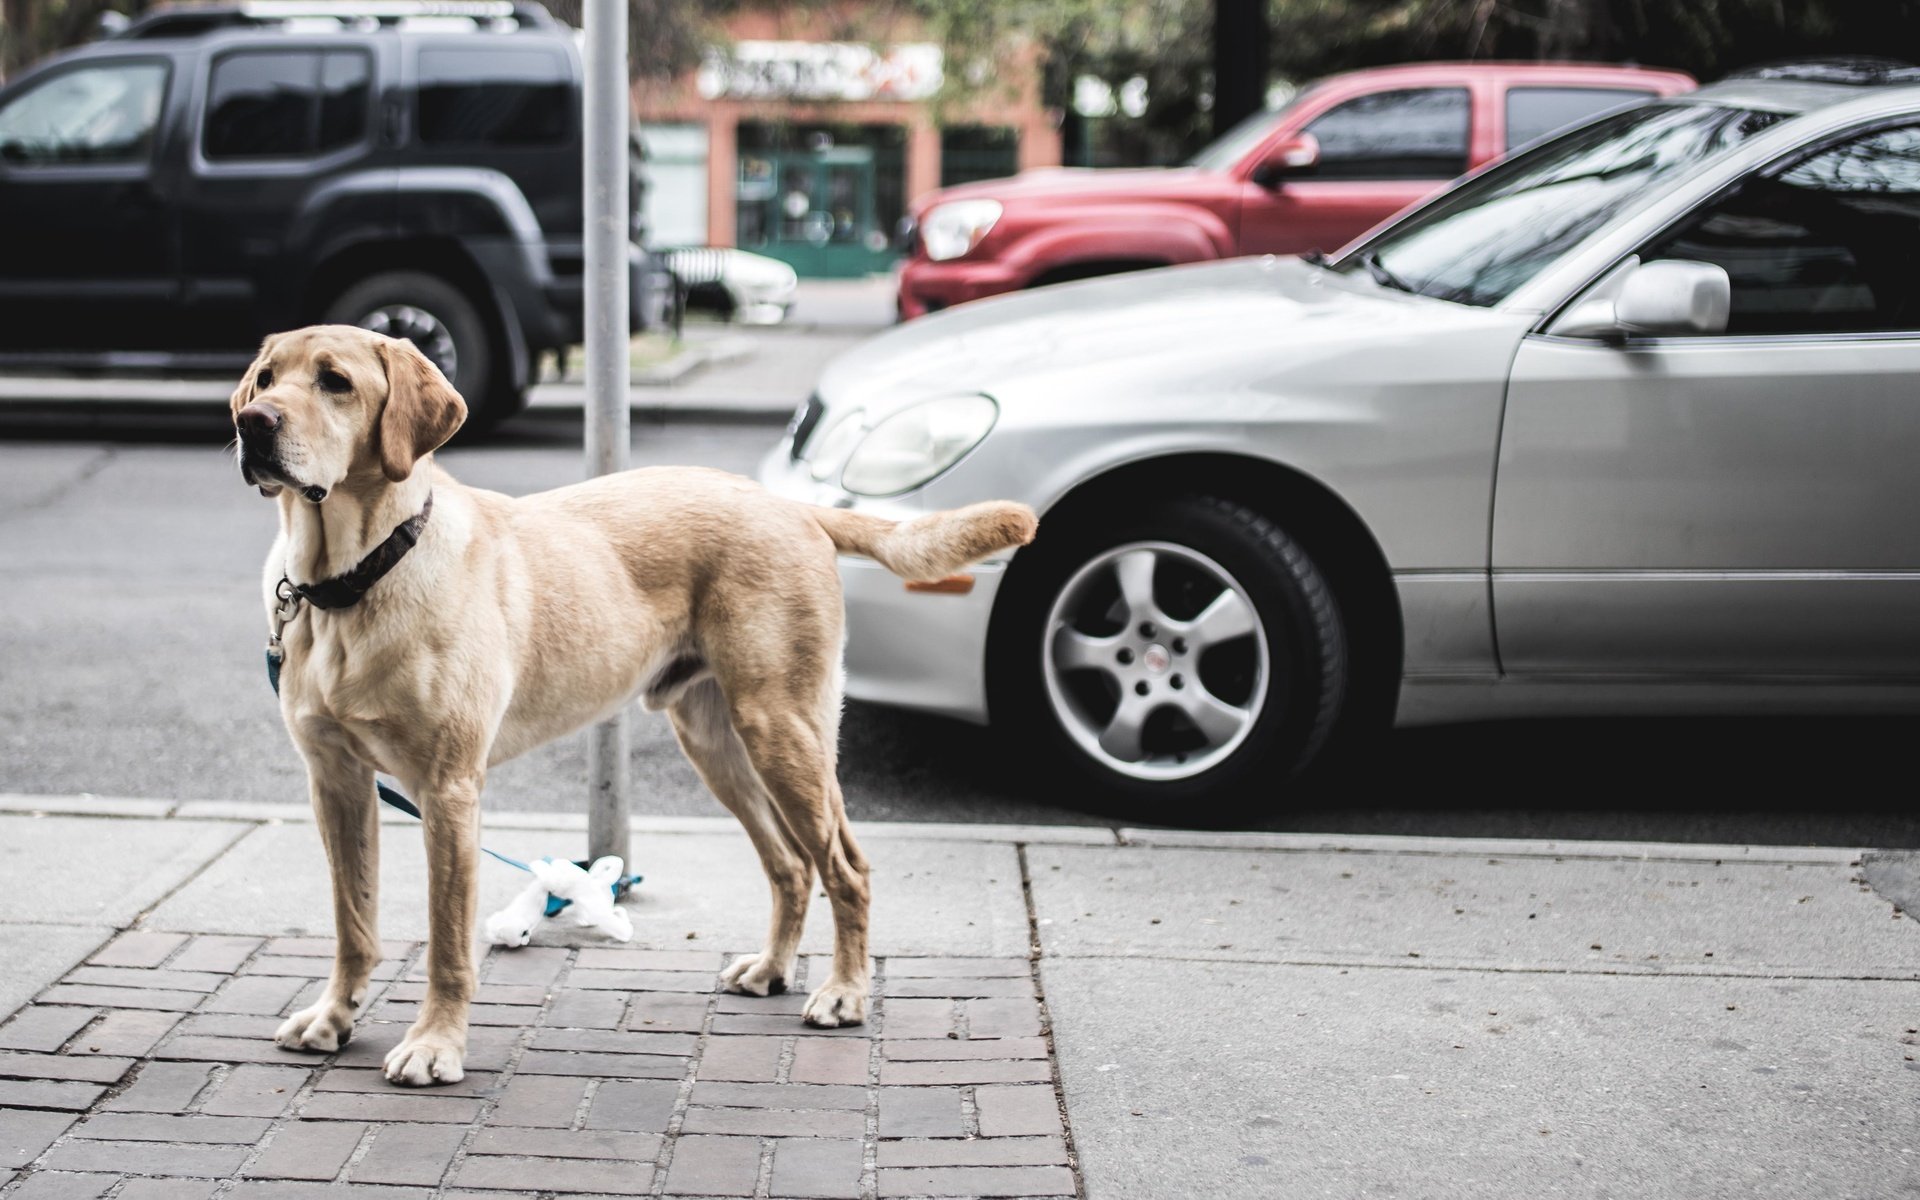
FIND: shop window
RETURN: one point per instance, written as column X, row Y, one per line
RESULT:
column 969, row 153
column 676, row 196
column 824, row 197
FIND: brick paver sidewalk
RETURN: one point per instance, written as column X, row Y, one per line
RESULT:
column 149, row 1073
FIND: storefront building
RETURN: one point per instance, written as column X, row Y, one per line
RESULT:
column 808, row 147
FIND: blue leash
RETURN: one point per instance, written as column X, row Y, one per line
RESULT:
column 393, row 799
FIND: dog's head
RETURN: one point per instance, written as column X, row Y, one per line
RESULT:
column 330, row 403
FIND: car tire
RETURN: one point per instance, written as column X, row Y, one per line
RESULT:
column 447, row 327
column 1230, row 659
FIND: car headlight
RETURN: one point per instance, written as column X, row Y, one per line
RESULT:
column 831, row 448
column 913, row 445
column 953, row 228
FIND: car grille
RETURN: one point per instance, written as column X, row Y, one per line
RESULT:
column 694, row 265
column 803, row 424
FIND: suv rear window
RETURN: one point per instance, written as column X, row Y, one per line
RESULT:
column 286, row 104
column 494, row 98
column 1535, row 112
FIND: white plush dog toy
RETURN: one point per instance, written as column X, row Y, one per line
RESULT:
column 588, row 893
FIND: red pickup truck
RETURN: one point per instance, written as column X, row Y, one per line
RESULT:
column 1344, row 155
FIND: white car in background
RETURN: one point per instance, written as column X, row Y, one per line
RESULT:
column 1624, row 424
column 749, row 288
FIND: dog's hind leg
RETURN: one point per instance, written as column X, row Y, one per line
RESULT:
column 792, row 748
column 705, row 729
column 349, row 819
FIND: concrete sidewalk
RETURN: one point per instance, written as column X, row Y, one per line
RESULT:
column 1058, row 1011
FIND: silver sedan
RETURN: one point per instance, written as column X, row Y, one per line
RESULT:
column 1625, row 424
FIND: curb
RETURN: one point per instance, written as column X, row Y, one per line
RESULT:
column 1101, row 837
column 693, row 356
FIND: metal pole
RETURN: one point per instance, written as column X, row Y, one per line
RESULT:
column 608, row 104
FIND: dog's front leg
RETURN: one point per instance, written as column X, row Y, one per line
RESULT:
column 347, row 812
column 436, row 1046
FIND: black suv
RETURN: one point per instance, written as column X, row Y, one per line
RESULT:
column 207, row 175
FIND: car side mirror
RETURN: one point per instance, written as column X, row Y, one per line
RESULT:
column 1668, row 297
column 1297, row 155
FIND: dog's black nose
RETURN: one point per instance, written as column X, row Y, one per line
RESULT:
column 257, row 420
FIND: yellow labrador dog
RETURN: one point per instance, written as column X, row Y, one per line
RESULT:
column 431, row 630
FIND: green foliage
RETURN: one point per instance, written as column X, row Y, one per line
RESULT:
column 664, row 37
column 1705, row 37
column 32, row 29
column 1167, row 41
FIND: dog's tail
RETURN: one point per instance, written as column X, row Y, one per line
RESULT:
column 936, row 545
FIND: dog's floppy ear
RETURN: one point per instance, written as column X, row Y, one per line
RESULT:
column 243, row 395
column 422, row 409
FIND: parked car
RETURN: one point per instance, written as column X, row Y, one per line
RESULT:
column 1344, row 155
column 1624, row 424
column 738, row 286
column 209, row 174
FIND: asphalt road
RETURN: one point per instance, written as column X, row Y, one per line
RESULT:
column 130, row 636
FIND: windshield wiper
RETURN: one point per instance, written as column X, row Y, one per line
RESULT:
column 1385, row 278
column 1314, row 258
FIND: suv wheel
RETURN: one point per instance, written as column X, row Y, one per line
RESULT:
column 446, row 326
column 1188, row 660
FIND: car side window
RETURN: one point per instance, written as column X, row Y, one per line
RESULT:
column 1535, row 112
column 1415, row 133
column 1831, row 244
column 96, row 114
column 281, row 104
column 494, row 98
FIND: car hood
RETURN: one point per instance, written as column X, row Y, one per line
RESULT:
column 1198, row 327
column 1075, row 183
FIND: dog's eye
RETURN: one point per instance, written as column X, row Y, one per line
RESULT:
column 263, row 380
column 334, row 381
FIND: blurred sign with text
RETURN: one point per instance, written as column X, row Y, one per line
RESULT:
column 755, row 70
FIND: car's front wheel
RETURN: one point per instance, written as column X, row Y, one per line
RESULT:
column 446, row 326
column 1187, row 660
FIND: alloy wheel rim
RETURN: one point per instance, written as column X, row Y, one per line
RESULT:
column 428, row 333
column 1155, row 661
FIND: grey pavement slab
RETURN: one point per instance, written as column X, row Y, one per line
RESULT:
column 129, row 863
column 932, row 897
column 1601, row 915
column 36, row 955
column 1259, row 1080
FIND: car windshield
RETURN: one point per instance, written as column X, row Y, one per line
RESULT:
column 1498, row 230
column 1232, row 146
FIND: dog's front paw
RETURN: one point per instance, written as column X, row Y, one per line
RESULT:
column 755, row 975
column 427, row 1056
column 836, row 1004
column 322, row 1029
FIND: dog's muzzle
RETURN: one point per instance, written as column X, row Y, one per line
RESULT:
column 258, row 427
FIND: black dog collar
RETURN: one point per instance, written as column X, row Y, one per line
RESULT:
column 344, row 591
